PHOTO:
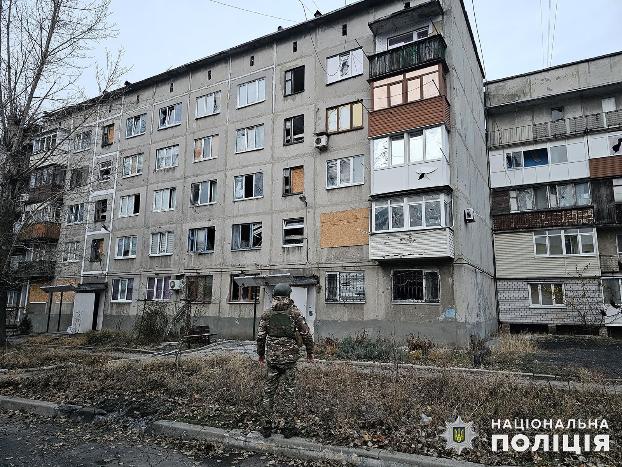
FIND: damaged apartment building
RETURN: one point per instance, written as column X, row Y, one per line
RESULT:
column 556, row 179
column 345, row 155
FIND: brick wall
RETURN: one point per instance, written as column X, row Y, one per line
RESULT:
column 500, row 202
column 544, row 219
column 404, row 117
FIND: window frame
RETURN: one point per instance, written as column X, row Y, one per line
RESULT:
column 257, row 93
column 213, row 144
column 293, row 138
column 100, row 215
column 80, row 137
column 106, row 130
column 140, row 160
column 172, row 199
column 292, row 80
column 427, row 154
column 540, row 304
column 552, row 192
column 173, row 157
column 511, row 154
column 217, row 96
column 212, row 193
column 104, row 171
column 336, row 108
column 45, row 142
column 414, row 35
column 295, row 223
column 129, row 286
column 135, row 210
column 246, row 131
column 71, row 252
column 166, row 235
column 166, row 293
column 351, row 159
column 289, row 171
column 167, row 123
column 423, row 287
column 132, row 241
column 563, row 233
column 142, row 128
column 79, row 209
column 193, row 242
column 253, row 291
column 200, row 286
column 251, row 226
column 339, row 298
column 254, row 184
column 446, row 212
column 338, row 77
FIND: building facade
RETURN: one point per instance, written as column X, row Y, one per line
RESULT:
column 345, row 155
column 554, row 147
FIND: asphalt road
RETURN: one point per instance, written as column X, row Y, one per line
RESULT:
column 27, row 440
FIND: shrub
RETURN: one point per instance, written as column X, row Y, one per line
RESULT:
column 152, row 326
column 419, row 344
column 363, row 347
column 25, row 325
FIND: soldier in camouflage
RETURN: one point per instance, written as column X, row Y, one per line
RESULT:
column 282, row 330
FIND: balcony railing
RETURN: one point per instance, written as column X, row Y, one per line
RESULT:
column 34, row 268
column 415, row 244
column 40, row 231
column 409, row 56
column 573, row 126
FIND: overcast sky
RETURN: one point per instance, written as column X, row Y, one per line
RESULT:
column 159, row 34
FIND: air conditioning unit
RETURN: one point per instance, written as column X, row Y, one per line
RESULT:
column 469, row 215
column 176, row 284
column 321, row 142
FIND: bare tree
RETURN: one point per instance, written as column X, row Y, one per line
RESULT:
column 45, row 46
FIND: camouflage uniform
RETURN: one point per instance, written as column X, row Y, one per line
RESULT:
column 277, row 340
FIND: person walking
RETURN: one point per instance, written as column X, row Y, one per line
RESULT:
column 282, row 331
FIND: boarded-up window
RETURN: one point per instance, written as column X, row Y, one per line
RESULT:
column 293, row 180
column 344, row 228
column 199, row 288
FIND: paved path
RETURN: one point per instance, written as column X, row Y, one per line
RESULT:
column 27, row 440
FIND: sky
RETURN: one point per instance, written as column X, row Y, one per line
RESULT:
column 517, row 36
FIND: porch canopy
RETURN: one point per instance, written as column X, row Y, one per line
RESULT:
column 52, row 289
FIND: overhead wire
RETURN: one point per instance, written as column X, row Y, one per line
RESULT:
column 251, row 11
column 554, row 31
column 478, row 39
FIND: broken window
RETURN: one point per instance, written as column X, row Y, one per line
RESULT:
column 170, row 116
column 122, row 290
column 203, row 193
column 345, row 172
column 126, row 247
column 199, row 288
column 252, row 92
column 615, row 143
column 535, row 157
column 162, row 243
column 414, row 212
column 557, row 113
column 559, row 154
column 414, row 285
column 295, row 80
column 564, row 242
column 525, row 199
column 242, row 294
column 293, row 232
column 345, row 287
column 108, row 135
column 75, row 213
column 101, row 210
column 130, row 205
column 249, row 139
column 294, row 131
column 205, row 148
column 135, row 126
column 246, row 236
column 413, row 147
column 78, row 178
column 105, row 170
column 71, row 251
column 44, row 143
column 546, row 294
column 167, row 157
column 83, row 140
column 293, row 180
column 248, row 186
column 158, row 288
column 132, row 165
column 97, row 250
column 208, row 104
column 164, row 200
column 611, row 292
column 345, row 65
column 514, row 160
column 201, row 240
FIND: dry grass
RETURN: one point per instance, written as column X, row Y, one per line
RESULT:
column 514, row 344
column 338, row 405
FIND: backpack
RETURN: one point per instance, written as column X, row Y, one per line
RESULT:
column 281, row 324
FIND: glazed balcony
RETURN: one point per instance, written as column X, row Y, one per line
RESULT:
column 417, row 54
column 555, row 129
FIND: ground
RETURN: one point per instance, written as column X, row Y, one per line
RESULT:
column 27, row 440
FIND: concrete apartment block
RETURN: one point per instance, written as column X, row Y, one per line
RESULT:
column 375, row 209
column 553, row 144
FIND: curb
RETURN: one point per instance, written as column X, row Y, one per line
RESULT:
column 297, row 448
column 300, row 448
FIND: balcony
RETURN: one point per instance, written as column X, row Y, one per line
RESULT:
column 411, row 177
column 40, row 231
column 414, row 244
column 34, row 268
column 573, row 126
column 407, row 57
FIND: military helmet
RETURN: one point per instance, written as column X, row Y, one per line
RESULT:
column 282, row 290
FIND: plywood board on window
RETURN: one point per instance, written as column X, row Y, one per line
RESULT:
column 36, row 295
column 344, row 228
column 298, row 180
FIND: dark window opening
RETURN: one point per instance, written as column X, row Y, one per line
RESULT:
column 415, row 286
column 294, row 131
column 295, row 81
column 295, row 46
column 201, row 240
column 101, row 208
column 199, row 288
column 108, row 135
column 293, row 181
column 246, row 236
column 97, row 250
column 557, row 113
column 345, row 287
column 209, row 74
column 242, row 294
column 344, row 30
column 252, row 60
column 535, row 157
column 170, row 89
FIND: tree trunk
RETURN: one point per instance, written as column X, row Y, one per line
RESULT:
column 3, row 297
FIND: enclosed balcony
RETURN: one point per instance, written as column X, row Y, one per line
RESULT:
column 34, row 268
column 408, row 57
column 418, row 244
column 49, row 231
